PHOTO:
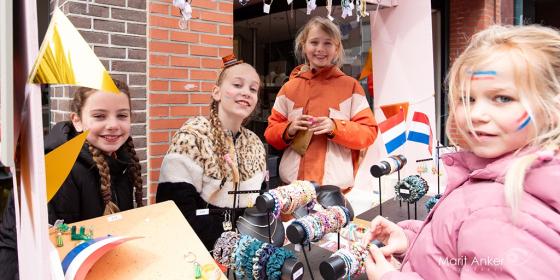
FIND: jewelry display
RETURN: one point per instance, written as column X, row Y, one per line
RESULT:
column 314, row 226
column 287, row 199
column 411, row 189
column 345, row 263
column 250, row 257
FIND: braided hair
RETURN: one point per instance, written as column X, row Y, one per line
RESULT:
column 80, row 97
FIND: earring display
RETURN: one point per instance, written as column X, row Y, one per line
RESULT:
column 411, row 189
column 261, row 225
column 287, row 199
column 254, row 259
column 314, row 226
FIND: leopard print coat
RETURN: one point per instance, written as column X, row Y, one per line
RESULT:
column 191, row 159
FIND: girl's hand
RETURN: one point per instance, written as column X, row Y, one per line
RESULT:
column 389, row 234
column 322, row 125
column 376, row 264
column 302, row 122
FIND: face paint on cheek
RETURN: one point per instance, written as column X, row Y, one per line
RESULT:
column 229, row 95
column 483, row 75
column 523, row 121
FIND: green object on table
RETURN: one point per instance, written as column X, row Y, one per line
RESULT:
column 197, row 271
column 59, row 240
column 79, row 236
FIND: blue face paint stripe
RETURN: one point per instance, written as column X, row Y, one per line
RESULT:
column 489, row 72
column 525, row 123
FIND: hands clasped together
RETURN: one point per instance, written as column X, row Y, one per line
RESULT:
column 395, row 242
column 317, row 125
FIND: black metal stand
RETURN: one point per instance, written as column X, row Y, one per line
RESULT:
column 380, row 201
column 307, row 260
column 338, row 236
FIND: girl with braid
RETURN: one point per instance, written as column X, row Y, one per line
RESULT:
column 107, row 174
column 208, row 157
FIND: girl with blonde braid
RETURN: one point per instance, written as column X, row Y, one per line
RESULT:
column 107, row 173
column 499, row 217
column 208, row 157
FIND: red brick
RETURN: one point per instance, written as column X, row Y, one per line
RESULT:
column 155, row 162
column 200, row 98
column 168, row 47
column 158, row 34
column 159, row 60
column 158, row 149
column 164, row 124
column 155, row 137
column 183, row 36
column 164, row 21
column 211, row 63
column 180, row 86
column 162, row 99
column 217, row 17
column 159, row 111
column 203, row 27
column 225, row 51
column 211, row 5
column 225, row 7
column 185, row 111
column 158, row 85
column 185, row 61
column 216, row 40
column 204, row 51
column 203, row 75
column 168, row 73
column 205, row 111
column 225, row 30
column 159, row 8
column 206, row 86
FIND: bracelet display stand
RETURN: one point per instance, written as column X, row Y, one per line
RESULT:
column 335, row 268
column 261, row 226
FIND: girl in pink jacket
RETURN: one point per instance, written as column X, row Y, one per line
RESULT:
column 499, row 217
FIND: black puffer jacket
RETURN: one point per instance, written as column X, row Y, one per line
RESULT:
column 79, row 197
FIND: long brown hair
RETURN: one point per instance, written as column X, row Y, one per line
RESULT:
column 135, row 174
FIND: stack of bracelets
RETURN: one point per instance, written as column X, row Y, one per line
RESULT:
column 288, row 198
column 411, row 189
column 318, row 224
column 250, row 257
column 354, row 259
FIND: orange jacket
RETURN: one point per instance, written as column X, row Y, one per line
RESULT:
column 327, row 92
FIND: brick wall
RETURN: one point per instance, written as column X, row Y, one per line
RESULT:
column 466, row 18
column 116, row 30
column 182, row 67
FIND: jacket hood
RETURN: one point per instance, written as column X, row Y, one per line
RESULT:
column 540, row 181
column 305, row 72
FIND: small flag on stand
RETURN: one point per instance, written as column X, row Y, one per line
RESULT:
column 393, row 132
column 420, row 130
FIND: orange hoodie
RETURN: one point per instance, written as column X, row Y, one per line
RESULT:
column 326, row 92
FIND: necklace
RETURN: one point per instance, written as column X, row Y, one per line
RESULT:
column 258, row 233
column 271, row 222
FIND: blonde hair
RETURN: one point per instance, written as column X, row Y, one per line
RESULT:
column 80, row 97
column 216, row 129
column 534, row 53
column 328, row 27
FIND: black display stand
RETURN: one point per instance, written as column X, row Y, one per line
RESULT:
column 291, row 270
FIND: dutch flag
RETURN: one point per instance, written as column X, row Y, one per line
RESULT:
column 393, row 132
column 420, row 130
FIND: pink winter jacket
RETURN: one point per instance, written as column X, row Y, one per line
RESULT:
column 469, row 233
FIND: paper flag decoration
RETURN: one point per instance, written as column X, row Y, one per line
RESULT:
column 66, row 58
column 79, row 261
column 368, row 67
column 60, row 161
column 420, row 130
column 393, row 109
column 393, row 132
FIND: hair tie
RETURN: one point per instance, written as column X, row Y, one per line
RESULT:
column 432, row 202
column 230, row 60
column 411, row 189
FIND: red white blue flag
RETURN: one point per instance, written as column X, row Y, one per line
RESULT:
column 420, row 130
column 393, row 132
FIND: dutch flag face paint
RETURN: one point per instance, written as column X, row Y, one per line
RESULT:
column 523, row 121
column 483, row 75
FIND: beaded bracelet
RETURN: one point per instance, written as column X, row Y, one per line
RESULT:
column 318, row 224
